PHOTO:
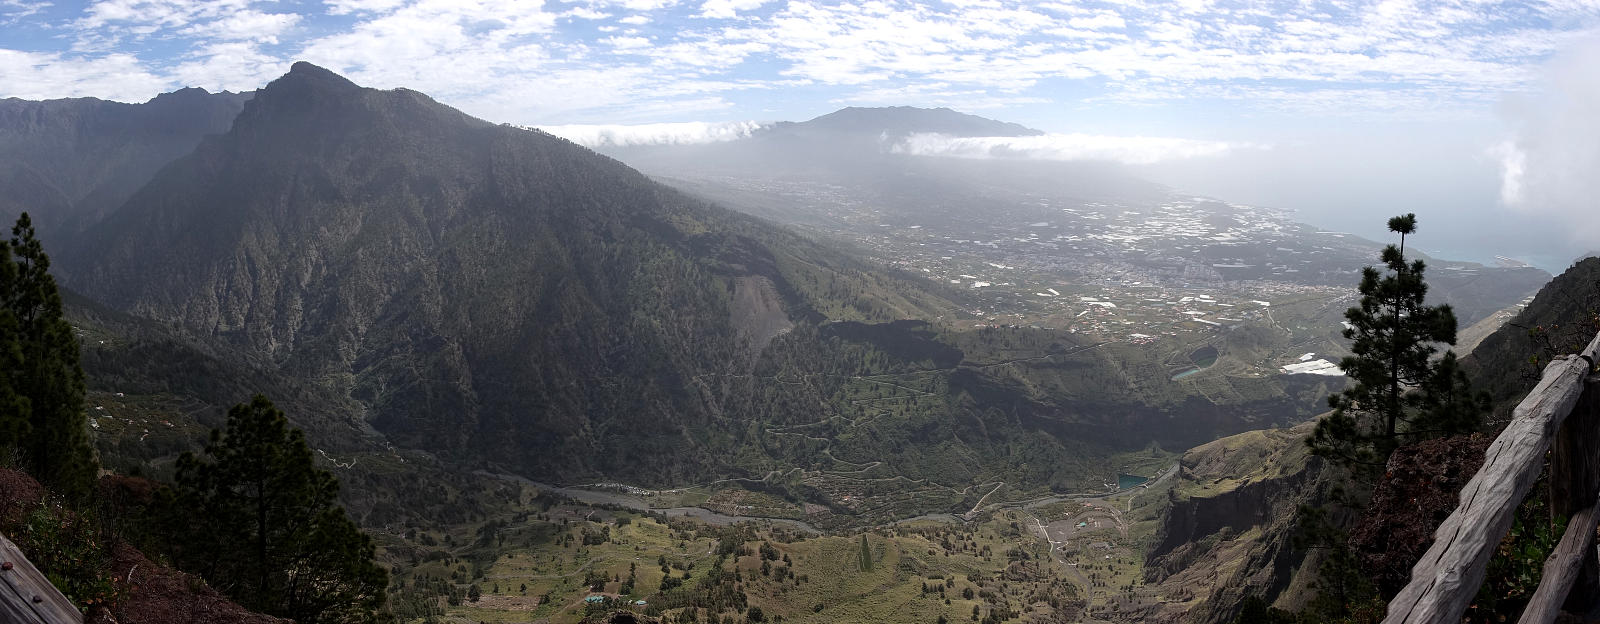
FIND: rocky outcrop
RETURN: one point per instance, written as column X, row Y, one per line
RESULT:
column 1228, row 532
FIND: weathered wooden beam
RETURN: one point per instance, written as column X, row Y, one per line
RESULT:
column 1573, row 461
column 1446, row 578
column 1575, row 483
column 1563, row 568
column 26, row 596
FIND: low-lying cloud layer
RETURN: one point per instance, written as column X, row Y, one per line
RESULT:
column 1137, row 150
column 1550, row 164
column 685, row 133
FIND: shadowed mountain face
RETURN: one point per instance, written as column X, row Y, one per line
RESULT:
column 69, row 162
column 486, row 291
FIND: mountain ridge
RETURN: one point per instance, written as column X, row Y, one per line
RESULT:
column 429, row 263
column 70, row 161
column 899, row 121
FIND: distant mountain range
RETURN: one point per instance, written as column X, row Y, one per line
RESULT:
column 899, row 121
column 71, row 161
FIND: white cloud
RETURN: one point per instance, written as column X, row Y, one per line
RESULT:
column 14, row 11
column 1136, row 150
column 229, row 66
column 147, row 16
column 36, row 76
column 627, row 43
column 1513, row 167
column 1377, row 58
column 347, row 7
column 446, row 47
column 1548, row 162
column 246, row 25
column 636, row 5
column 723, row 9
column 1098, row 21
column 586, row 13
column 687, row 133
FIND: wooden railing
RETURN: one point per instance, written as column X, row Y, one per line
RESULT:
column 1563, row 411
column 26, row 596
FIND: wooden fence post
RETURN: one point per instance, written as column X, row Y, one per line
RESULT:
column 1574, row 482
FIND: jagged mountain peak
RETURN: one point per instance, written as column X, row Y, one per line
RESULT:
column 314, row 74
column 313, row 104
column 308, row 88
column 186, row 93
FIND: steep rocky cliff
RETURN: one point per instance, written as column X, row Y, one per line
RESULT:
column 1228, row 531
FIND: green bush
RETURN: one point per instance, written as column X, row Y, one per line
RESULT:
column 67, row 547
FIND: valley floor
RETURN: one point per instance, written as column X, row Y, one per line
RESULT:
column 573, row 554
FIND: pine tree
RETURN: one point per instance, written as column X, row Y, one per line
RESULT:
column 1400, row 390
column 13, row 404
column 41, row 382
column 273, row 537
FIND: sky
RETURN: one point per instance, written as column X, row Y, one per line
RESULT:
column 1475, row 114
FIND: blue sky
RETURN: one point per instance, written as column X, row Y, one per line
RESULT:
column 1110, row 66
column 1246, row 77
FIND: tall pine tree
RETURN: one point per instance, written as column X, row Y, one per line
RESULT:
column 41, row 382
column 13, row 404
column 273, row 538
column 1401, row 391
